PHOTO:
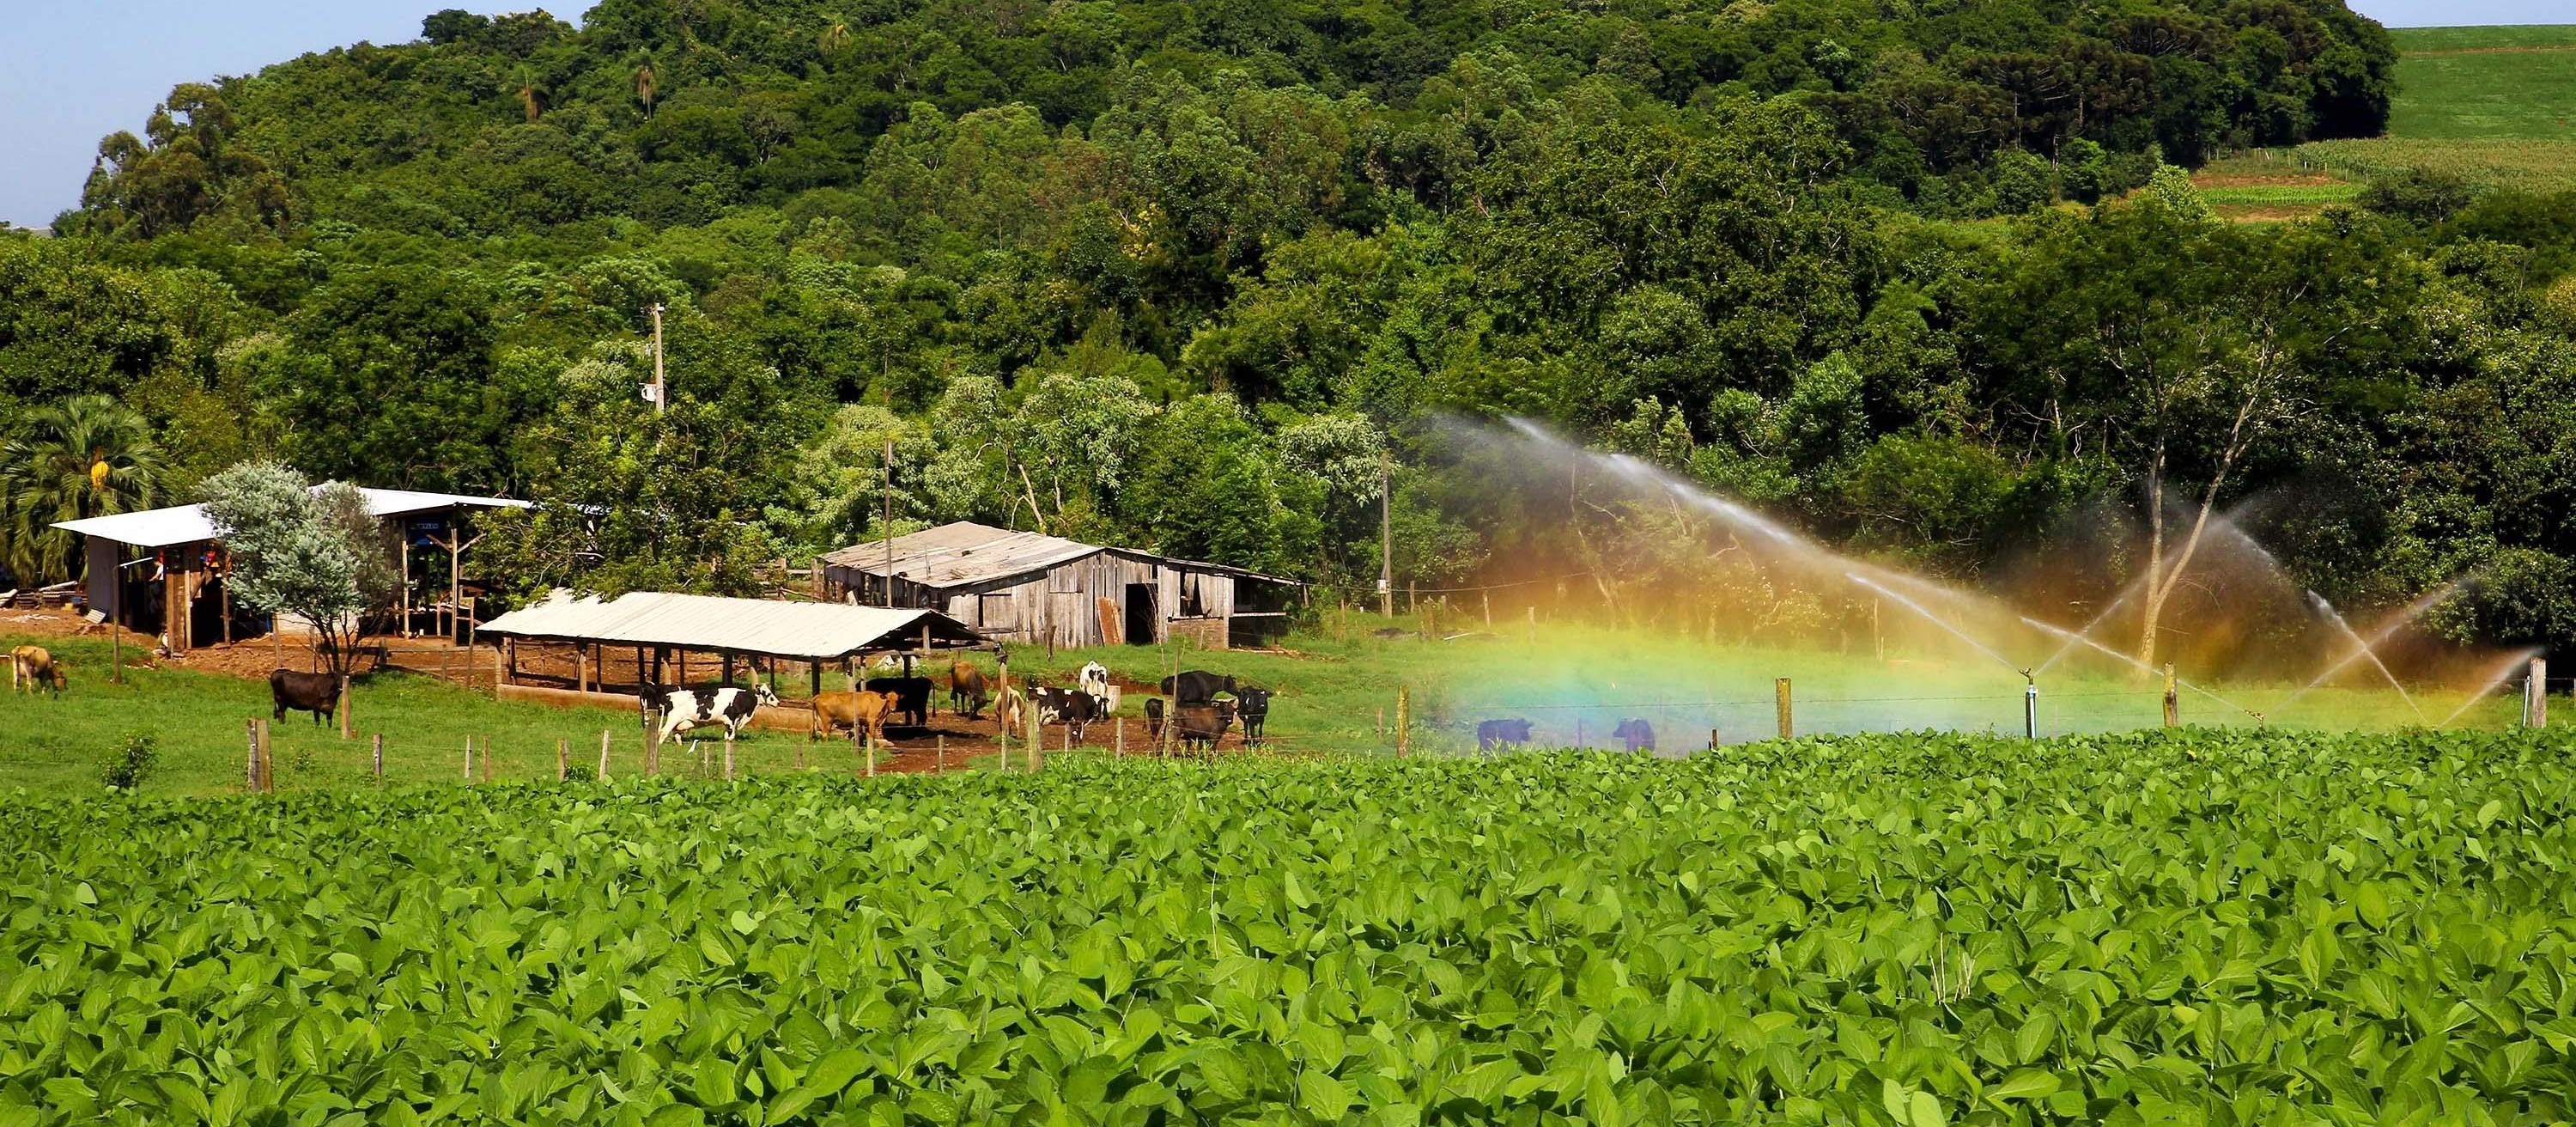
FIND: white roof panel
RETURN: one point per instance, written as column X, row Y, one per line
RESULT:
column 187, row 524
column 811, row 631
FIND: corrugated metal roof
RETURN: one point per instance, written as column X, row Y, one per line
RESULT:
column 964, row 552
column 187, row 524
column 811, row 631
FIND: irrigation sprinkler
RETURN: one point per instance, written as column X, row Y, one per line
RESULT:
column 2029, row 705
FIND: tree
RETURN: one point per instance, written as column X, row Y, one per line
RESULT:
column 394, row 380
column 86, row 457
column 313, row 553
column 184, row 168
column 630, row 499
column 2187, row 345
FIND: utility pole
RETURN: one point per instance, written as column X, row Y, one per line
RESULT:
column 661, row 390
column 889, row 522
column 1385, row 536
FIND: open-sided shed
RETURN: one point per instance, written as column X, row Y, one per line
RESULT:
column 1035, row 588
column 661, row 628
column 178, row 560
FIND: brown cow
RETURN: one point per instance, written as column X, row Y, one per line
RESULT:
column 37, row 668
column 850, row 710
column 968, row 690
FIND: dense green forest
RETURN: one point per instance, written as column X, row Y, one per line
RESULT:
column 1926, row 277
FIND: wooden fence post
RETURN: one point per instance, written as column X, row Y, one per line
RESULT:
column 469, row 759
column 345, row 732
column 2535, row 695
column 728, row 755
column 940, row 749
column 603, row 755
column 1037, row 738
column 2173, row 699
column 250, row 758
column 563, row 757
column 1120, row 751
column 1403, row 721
column 380, row 756
column 871, row 742
column 1780, row 693
column 1488, row 598
column 1712, row 739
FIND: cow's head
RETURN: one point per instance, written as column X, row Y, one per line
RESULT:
column 765, row 695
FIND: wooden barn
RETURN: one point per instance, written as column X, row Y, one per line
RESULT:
column 1037, row 589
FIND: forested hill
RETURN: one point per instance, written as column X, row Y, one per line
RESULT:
column 1175, row 275
column 671, row 112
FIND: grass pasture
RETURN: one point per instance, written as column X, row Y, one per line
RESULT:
column 2492, row 105
column 1336, row 689
column 2485, row 83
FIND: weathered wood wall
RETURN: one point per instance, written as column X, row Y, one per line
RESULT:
column 1064, row 602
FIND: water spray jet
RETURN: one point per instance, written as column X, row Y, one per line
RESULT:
column 2503, row 673
column 2334, row 616
column 2406, row 615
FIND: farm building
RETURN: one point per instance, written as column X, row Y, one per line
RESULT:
column 661, row 629
column 163, row 558
column 1038, row 589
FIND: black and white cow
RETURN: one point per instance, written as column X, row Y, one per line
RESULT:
column 1073, row 708
column 686, row 709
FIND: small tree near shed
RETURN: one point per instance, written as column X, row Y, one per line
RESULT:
column 303, row 551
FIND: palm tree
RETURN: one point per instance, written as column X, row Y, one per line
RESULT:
column 88, row 457
column 644, row 83
column 836, row 35
column 527, row 91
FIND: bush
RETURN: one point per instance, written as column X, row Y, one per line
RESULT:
column 580, row 774
column 2417, row 196
column 128, row 766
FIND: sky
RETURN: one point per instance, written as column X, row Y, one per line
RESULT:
column 73, row 71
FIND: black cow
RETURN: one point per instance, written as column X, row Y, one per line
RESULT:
column 911, row 697
column 1253, row 705
column 686, row 709
column 1196, row 686
column 1502, row 733
column 1203, row 725
column 1154, row 720
column 317, row 693
column 1072, row 708
column 1636, row 733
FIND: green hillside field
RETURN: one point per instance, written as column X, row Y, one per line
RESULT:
column 2495, row 105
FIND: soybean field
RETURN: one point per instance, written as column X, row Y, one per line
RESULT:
column 2190, row 926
